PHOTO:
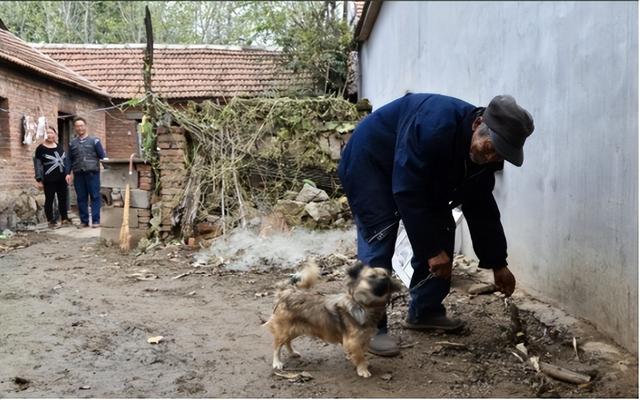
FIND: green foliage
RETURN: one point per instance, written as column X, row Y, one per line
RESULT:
column 313, row 35
column 149, row 151
column 176, row 22
column 314, row 38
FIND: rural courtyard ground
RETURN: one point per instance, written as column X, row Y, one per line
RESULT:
column 76, row 319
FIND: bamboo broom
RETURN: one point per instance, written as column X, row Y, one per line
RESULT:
column 125, row 236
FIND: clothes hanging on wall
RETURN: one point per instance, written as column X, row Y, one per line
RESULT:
column 41, row 131
column 29, row 129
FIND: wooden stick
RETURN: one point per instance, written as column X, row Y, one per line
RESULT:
column 516, row 325
column 237, row 187
column 564, row 374
column 451, row 344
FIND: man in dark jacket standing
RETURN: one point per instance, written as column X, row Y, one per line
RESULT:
column 85, row 153
column 414, row 160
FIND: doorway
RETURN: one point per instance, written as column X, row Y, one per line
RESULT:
column 65, row 129
column 65, row 135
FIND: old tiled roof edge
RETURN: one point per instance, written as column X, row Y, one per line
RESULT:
column 246, row 70
column 158, row 46
column 75, row 80
column 366, row 21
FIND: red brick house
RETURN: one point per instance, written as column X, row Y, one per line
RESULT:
column 34, row 85
column 180, row 73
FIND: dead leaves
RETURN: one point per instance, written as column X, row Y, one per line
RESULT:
column 295, row 377
column 143, row 276
column 155, row 339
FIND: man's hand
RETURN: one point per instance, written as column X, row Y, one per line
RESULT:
column 40, row 185
column 440, row 265
column 68, row 179
column 504, row 280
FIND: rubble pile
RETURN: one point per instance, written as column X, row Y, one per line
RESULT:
column 312, row 208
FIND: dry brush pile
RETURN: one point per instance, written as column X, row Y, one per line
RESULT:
column 248, row 153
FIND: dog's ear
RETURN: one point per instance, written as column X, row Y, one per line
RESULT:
column 355, row 269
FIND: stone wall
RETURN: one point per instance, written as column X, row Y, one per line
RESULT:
column 20, row 208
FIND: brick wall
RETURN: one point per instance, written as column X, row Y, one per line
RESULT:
column 33, row 96
column 173, row 173
column 122, row 136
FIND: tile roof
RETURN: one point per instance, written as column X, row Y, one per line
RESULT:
column 179, row 71
column 18, row 52
column 359, row 7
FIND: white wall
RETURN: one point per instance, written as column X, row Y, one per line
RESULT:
column 571, row 212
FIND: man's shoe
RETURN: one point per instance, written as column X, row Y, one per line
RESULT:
column 440, row 322
column 95, row 225
column 66, row 222
column 83, row 225
column 384, row 345
column 53, row 225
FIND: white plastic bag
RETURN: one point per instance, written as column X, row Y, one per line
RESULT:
column 29, row 127
column 41, row 132
column 401, row 260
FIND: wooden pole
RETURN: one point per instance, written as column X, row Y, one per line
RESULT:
column 148, row 65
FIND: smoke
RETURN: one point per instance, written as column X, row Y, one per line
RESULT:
column 244, row 249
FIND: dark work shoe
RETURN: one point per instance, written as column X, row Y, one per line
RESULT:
column 384, row 345
column 440, row 322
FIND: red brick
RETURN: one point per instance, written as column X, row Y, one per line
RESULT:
column 171, row 152
column 143, row 168
column 122, row 136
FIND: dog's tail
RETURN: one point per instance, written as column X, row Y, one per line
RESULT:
column 307, row 276
column 303, row 279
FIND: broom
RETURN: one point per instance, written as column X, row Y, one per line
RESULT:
column 125, row 236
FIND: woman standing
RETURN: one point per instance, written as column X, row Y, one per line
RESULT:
column 51, row 168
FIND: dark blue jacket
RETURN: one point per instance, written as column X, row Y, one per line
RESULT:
column 410, row 160
column 85, row 154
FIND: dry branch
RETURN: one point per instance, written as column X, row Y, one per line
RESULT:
column 249, row 152
column 564, row 374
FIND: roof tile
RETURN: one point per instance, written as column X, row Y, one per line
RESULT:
column 179, row 71
column 16, row 51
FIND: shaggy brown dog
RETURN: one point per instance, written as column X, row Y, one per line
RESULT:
column 349, row 319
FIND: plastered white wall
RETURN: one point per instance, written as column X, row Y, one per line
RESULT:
column 571, row 212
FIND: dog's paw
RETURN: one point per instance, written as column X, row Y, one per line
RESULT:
column 277, row 364
column 363, row 372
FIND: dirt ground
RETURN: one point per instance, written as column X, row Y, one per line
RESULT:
column 76, row 316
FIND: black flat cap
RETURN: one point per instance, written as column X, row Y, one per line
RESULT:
column 510, row 125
